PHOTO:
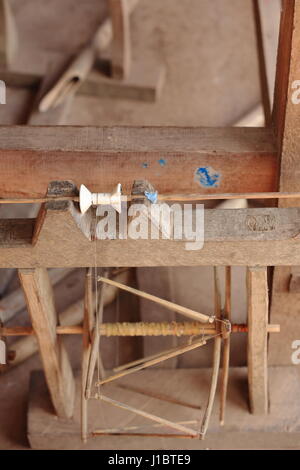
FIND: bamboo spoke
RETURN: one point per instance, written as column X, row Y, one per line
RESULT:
column 163, row 357
column 150, row 416
column 226, row 347
column 165, row 303
column 216, row 360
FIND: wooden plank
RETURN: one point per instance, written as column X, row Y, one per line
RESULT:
column 258, row 305
column 121, row 47
column 231, row 159
column 63, row 240
column 284, row 305
column 58, row 371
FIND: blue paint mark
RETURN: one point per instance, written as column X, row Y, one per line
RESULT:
column 152, row 197
column 207, row 177
column 162, row 162
column 145, row 165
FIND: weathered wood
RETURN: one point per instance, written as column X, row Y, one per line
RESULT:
column 8, row 34
column 258, row 305
column 53, row 116
column 14, row 302
column 62, row 240
column 58, row 371
column 242, row 160
column 267, row 17
column 284, row 305
column 121, row 47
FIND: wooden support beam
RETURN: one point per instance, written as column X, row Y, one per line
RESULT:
column 233, row 237
column 258, row 304
column 232, row 160
column 285, row 304
column 121, row 47
column 40, row 302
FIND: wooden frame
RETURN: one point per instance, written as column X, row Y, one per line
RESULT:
column 244, row 160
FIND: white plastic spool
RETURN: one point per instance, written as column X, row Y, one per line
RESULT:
column 88, row 199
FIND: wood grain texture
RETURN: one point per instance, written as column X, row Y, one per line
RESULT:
column 121, row 47
column 169, row 158
column 62, row 239
column 8, row 33
column 284, row 305
column 258, row 305
column 58, row 371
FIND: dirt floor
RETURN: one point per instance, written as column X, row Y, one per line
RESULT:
column 209, row 49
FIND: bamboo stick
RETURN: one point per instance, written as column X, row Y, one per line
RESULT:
column 88, row 323
column 216, row 360
column 165, row 303
column 167, row 197
column 150, row 416
column 140, row 434
column 226, row 347
column 140, row 427
column 163, row 357
column 94, row 354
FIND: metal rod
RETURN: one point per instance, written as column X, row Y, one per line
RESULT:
column 137, row 329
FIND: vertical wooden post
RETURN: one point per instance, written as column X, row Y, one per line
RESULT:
column 8, row 34
column 287, row 126
column 257, row 284
column 40, row 302
column 121, row 52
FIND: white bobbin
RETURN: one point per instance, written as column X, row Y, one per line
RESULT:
column 88, row 199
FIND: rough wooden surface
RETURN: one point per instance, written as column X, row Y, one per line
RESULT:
column 62, row 239
column 242, row 160
column 181, row 393
column 284, row 305
column 258, row 303
column 40, row 303
column 121, row 45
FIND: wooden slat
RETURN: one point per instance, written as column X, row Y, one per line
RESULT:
column 58, row 371
column 257, row 339
column 60, row 242
column 243, row 160
column 121, row 53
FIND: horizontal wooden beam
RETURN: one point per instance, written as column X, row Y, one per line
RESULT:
column 182, row 160
column 232, row 237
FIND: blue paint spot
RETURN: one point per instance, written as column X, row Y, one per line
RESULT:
column 152, row 197
column 207, row 177
column 162, row 162
column 145, row 165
